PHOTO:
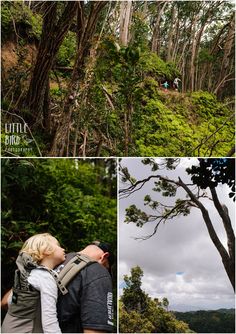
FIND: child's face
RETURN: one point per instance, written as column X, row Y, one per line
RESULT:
column 58, row 254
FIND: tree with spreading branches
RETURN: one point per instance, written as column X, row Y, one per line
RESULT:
column 205, row 180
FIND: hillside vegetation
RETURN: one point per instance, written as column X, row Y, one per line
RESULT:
column 139, row 313
column 218, row 321
column 94, row 87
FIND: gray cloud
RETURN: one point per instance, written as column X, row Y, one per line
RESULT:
column 181, row 245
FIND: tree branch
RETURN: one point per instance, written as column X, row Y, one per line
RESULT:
column 226, row 221
column 124, row 193
column 206, row 217
column 223, row 81
column 174, row 212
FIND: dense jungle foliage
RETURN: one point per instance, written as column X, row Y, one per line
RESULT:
column 74, row 200
column 219, row 321
column 139, row 313
column 87, row 78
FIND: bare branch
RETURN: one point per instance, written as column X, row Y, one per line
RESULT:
column 124, row 193
column 174, row 212
column 223, row 81
column 108, row 97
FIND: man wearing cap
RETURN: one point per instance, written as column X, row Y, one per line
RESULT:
column 87, row 307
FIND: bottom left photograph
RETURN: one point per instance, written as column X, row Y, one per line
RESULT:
column 59, row 245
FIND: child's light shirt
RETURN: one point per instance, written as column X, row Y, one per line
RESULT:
column 43, row 281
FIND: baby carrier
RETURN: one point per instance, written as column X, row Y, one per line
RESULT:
column 24, row 313
column 70, row 269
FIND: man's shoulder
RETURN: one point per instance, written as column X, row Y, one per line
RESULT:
column 94, row 267
column 94, row 271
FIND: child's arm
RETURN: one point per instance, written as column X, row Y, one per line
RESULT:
column 43, row 281
column 6, row 300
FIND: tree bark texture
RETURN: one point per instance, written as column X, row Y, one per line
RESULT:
column 156, row 31
column 125, row 17
column 53, row 33
column 226, row 67
column 86, row 29
column 171, row 34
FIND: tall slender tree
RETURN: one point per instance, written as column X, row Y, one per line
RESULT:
column 227, row 65
column 125, row 19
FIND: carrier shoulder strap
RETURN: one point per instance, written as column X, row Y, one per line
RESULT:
column 54, row 274
column 72, row 268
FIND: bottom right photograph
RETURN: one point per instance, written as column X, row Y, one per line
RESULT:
column 176, row 245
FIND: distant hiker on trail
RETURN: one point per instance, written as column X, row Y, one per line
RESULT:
column 176, row 84
column 32, row 303
column 165, row 85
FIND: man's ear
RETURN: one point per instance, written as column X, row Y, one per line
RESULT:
column 104, row 260
column 105, row 256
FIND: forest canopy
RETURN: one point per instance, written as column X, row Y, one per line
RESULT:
column 217, row 321
column 118, row 78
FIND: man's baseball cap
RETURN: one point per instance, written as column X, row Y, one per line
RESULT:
column 105, row 247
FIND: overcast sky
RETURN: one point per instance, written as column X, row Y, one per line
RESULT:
column 180, row 262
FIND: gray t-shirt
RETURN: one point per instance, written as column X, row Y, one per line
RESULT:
column 88, row 303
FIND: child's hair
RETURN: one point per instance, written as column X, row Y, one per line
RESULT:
column 38, row 244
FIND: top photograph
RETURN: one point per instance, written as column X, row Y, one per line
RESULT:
column 118, row 78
